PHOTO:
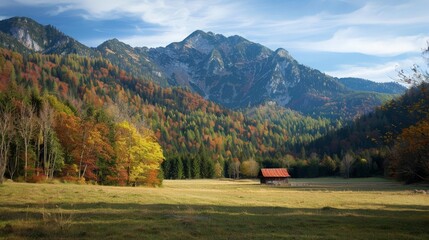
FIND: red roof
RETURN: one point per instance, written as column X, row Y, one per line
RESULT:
column 274, row 172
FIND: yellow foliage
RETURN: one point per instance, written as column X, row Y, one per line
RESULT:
column 138, row 153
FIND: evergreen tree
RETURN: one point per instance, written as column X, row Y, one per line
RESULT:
column 196, row 172
column 179, row 168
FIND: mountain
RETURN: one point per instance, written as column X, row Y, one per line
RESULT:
column 185, row 123
column 359, row 84
column 238, row 73
column 38, row 38
column 231, row 71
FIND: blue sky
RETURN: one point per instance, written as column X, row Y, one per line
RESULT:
column 361, row 38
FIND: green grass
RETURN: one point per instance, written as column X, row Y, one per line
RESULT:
column 216, row 209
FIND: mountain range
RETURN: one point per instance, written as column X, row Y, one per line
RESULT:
column 231, row 71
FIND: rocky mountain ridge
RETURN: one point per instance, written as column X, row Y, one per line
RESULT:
column 231, row 71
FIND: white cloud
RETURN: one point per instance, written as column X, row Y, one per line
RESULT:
column 319, row 29
column 352, row 41
column 386, row 72
column 174, row 19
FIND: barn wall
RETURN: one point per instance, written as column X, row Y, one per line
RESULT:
column 274, row 181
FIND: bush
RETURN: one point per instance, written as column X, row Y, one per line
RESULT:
column 37, row 178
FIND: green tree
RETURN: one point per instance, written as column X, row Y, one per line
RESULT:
column 196, row 172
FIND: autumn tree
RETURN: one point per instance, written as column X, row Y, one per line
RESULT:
column 137, row 152
column 328, row 165
column 88, row 147
column 6, row 136
column 46, row 120
column 347, row 163
column 409, row 159
column 218, row 170
column 55, row 160
column 234, row 168
column 249, row 168
column 25, row 127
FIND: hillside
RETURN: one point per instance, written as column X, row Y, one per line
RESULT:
column 392, row 140
column 359, row 84
column 231, row 71
column 133, row 60
column 379, row 128
column 238, row 73
column 199, row 112
column 184, row 122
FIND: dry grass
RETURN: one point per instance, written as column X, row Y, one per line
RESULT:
column 216, row 209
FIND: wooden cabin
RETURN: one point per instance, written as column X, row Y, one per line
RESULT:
column 275, row 176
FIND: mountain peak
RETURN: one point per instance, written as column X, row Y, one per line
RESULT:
column 283, row 53
column 40, row 38
column 25, row 30
column 196, row 33
column 200, row 41
column 232, row 71
column 113, row 41
column 21, row 19
column 237, row 39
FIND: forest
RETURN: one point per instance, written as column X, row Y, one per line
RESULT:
column 83, row 119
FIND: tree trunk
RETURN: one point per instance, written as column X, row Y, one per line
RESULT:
column 45, row 151
column 6, row 131
column 84, row 136
column 25, row 159
column 36, row 163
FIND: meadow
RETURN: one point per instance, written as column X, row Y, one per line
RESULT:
column 331, row 208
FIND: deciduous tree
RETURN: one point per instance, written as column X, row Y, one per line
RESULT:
column 6, row 136
column 25, row 127
column 346, row 164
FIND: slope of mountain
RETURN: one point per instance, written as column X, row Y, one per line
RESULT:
column 43, row 39
column 237, row 73
column 184, row 122
column 133, row 60
column 378, row 128
column 9, row 42
column 231, row 71
column 359, row 84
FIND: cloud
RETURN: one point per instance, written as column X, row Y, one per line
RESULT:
column 159, row 12
column 355, row 41
column 388, row 13
column 172, row 18
column 385, row 72
column 377, row 28
column 275, row 23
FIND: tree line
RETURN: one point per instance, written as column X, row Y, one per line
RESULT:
column 42, row 138
column 186, row 125
column 182, row 121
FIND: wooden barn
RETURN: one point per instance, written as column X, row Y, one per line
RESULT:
column 274, row 176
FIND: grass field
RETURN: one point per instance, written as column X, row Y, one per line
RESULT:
column 216, row 209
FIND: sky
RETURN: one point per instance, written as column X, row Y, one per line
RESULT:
column 371, row 39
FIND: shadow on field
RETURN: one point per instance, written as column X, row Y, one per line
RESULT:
column 342, row 185
column 160, row 221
